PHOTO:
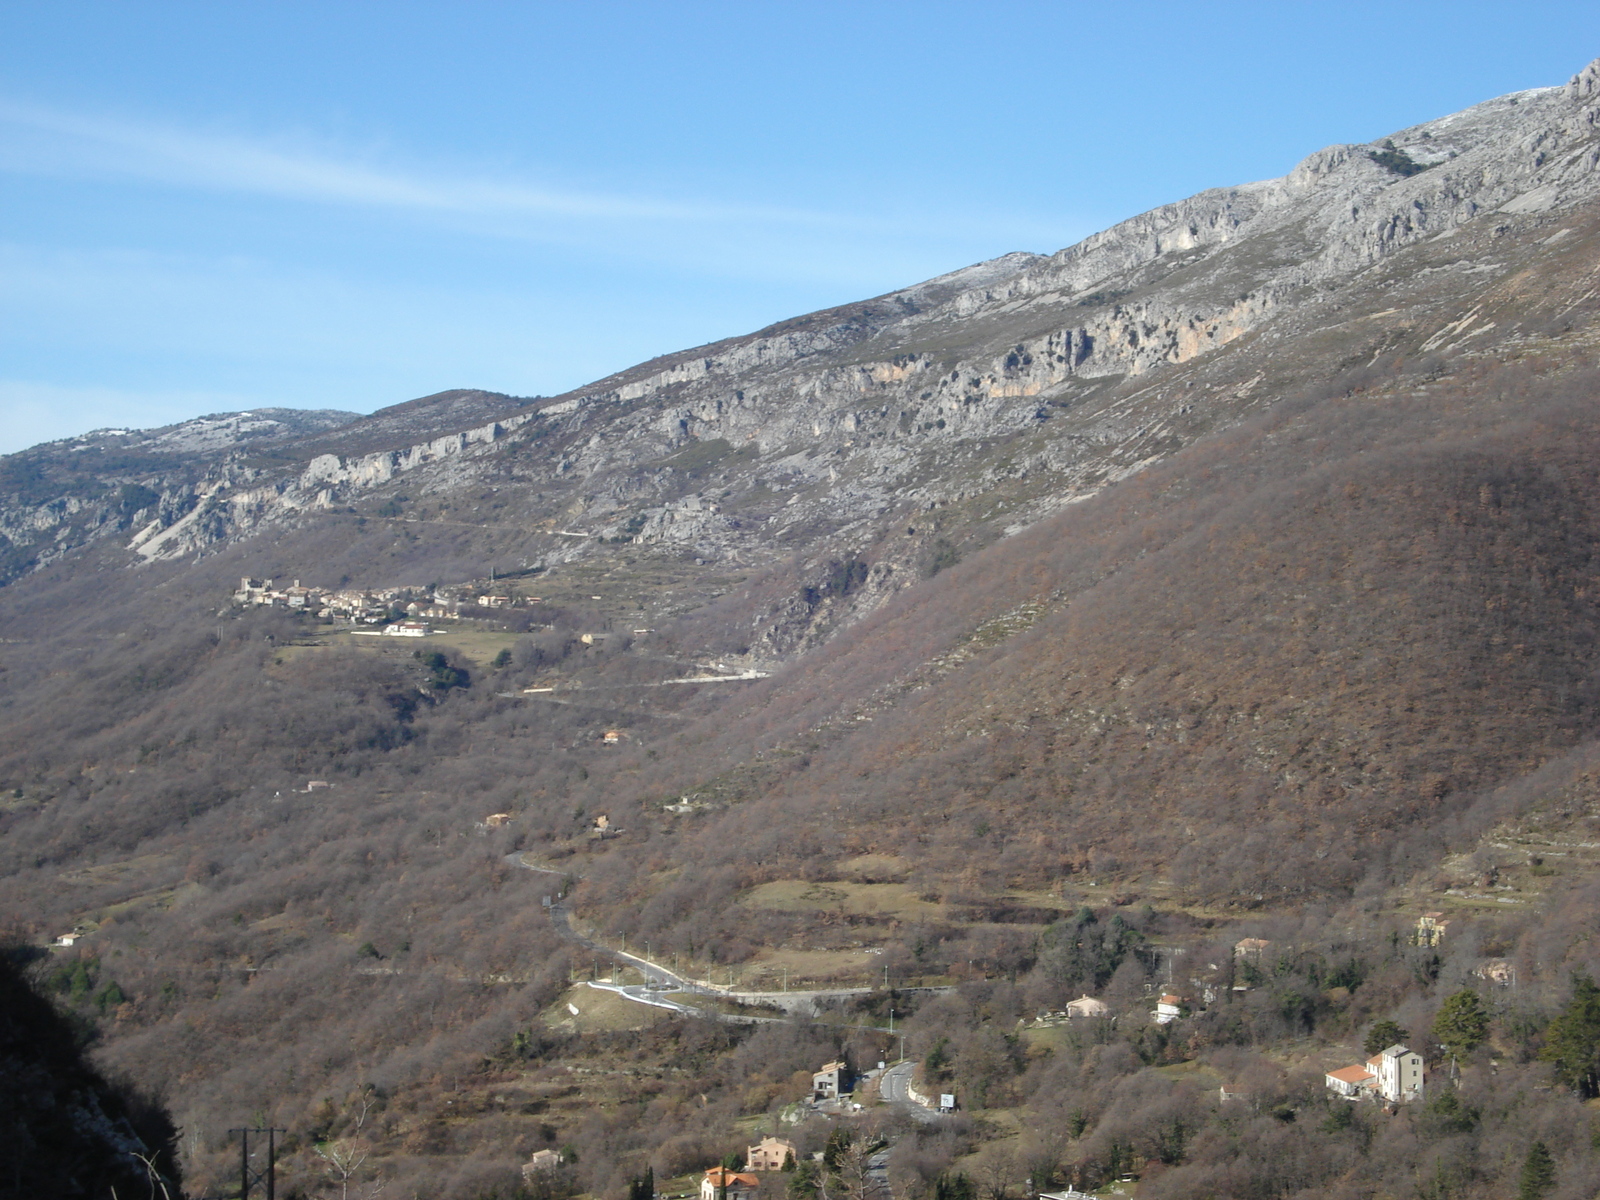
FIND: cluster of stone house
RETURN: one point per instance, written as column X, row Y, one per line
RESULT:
column 1210, row 985
column 264, row 593
column 371, row 606
column 1170, row 1006
column 720, row 1183
column 1395, row 1076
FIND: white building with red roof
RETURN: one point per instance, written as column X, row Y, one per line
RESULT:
column 1397, row 1076
column 1353, row 1082
column 723, row 1184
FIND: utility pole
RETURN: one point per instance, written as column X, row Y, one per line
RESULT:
column 249, row 1177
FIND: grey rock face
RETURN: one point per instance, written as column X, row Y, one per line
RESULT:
column 994, row 393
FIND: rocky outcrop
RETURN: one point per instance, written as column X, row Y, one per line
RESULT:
column 999, row 379
column 328, row 472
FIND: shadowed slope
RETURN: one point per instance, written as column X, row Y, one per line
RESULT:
column 66, row 1131
column 1254, row 670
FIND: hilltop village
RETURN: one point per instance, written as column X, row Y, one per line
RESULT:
column 377, row 606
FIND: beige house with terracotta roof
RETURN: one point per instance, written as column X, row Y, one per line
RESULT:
column 769, row 1154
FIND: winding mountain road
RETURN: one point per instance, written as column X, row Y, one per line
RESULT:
column 660, row 979
column 894, row 1086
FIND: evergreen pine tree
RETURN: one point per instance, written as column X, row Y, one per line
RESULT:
column 1463, row 1023
column 1572, row 1042
column 1538, row 1173
column 1382, row 1035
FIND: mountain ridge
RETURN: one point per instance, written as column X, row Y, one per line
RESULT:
column 959, row 358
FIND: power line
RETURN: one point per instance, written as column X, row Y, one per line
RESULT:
column 249, row 1177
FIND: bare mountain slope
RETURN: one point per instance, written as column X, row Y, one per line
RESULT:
column 1290, row 659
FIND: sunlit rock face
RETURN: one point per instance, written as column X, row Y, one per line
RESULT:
column 990, row 396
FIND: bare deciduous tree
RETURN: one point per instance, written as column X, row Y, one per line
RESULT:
column 343, row 1159
column 999, row 1172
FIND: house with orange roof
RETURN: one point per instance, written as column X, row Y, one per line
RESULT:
column 1397, row 1076
column 1351, row 1082
column 723, row 1184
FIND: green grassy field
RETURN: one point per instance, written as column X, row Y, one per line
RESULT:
column 599, row 1011
column 477, row 646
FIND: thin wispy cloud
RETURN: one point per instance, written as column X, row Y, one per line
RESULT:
column 508, row 283
column 44, row 141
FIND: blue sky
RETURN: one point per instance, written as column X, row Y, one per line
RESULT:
column 209, row 207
